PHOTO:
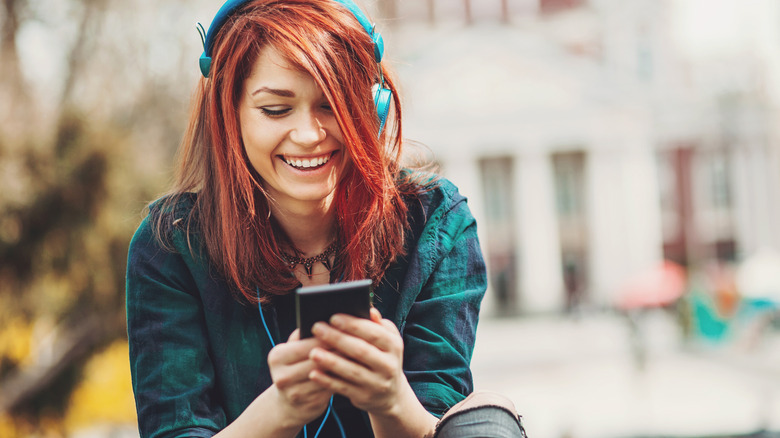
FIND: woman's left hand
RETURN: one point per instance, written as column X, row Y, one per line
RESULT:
column 365, row 361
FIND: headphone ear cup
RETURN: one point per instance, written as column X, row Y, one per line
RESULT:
column 382, row 98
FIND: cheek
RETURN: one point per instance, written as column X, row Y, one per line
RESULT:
column 334, row 132
column 332, row 126
column 260, row 154
column 258, row 144
column 247, row 140
column 254, row 159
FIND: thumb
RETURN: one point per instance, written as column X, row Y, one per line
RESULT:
column 375, row 315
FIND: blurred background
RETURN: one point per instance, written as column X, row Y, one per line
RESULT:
column 622, row 158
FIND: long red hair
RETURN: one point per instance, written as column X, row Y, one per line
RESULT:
column 231, row 212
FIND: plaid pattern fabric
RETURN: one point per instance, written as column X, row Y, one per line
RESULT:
column 198, row 356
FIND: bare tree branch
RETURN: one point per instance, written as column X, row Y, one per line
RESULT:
column 65, row 346
column 15, row 101
column 82, row 47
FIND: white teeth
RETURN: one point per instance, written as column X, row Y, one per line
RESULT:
column 307, row 163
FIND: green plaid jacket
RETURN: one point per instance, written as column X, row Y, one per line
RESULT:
column 198, row 355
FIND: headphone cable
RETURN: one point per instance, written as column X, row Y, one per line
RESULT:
column 330, row 403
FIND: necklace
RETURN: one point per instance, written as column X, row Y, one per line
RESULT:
column 308, row 263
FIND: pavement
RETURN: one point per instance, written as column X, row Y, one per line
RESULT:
column 588, row 377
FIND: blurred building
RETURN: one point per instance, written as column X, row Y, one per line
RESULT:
column 591, row 143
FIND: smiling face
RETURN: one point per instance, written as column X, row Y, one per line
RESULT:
column 290, row 134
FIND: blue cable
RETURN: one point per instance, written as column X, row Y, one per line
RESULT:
column 338, row 422
column 330, row 406
column 330, row 403
column 262, row 318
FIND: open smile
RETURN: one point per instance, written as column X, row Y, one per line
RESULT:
column 308, row 163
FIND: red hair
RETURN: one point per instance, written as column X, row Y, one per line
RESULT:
column 231, row 211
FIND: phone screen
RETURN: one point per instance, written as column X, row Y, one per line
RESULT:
column 319, row 303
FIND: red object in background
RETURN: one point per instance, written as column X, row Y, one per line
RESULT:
column 657, row 287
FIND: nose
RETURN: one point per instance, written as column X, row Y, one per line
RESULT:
column 308, row 131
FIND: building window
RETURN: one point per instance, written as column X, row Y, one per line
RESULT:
column 720, row 182
column 714, row 218
column 570, row 191
column 569, row 179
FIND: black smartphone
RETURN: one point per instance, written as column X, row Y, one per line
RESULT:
column 319, row 303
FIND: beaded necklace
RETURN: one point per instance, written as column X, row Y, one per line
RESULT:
column 308, row 263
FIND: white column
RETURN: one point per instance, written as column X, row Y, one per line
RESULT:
column 752, row 198
column 742, row 202
column 772, row 164
column 539, row 264
column 624, row 218
column 761, row 172
column 606, row 225
column 641, row 207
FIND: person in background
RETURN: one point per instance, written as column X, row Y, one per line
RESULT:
column 289, row 176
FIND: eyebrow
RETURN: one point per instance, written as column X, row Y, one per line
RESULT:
column 283, row 93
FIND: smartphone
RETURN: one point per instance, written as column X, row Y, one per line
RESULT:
column 319, row 303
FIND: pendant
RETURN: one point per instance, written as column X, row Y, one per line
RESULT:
column 307, row 267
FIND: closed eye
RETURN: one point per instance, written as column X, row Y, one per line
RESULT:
column 274, row 112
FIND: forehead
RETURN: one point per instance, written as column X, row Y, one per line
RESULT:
column 271, row 68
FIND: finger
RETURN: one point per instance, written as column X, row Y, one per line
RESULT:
column 292, row 351
column 357, row 349
column 375, row 315
column 289, row 375
column 390, row 326
column 334, row 384
column 340, row 367
column 306, row 390
column 305, row 393
column 386, row 338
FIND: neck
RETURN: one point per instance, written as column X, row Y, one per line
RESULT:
column 311, row 228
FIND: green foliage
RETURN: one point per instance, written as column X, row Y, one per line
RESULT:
column 65, row 260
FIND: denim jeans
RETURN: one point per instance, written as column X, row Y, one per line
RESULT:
column 481, row 415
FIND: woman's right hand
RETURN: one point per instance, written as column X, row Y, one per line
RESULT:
column 302, row 399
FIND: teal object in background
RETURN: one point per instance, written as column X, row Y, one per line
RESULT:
column 707, row 323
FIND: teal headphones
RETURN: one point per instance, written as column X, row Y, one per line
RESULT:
column 382, row 95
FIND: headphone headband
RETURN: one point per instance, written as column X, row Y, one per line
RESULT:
column 208, row 37
column 231, row 6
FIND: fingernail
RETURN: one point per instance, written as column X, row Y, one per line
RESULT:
column 336, row 320
column 318, row 328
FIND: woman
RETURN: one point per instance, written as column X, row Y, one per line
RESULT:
column 287, row 178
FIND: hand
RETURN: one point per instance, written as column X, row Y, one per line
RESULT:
column 302, row 399
column 362, row 361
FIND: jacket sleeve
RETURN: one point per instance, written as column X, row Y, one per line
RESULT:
column 440, row 326
column 172, row 374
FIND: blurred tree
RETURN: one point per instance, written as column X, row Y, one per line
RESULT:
column 13, row 90
column 76, row 171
